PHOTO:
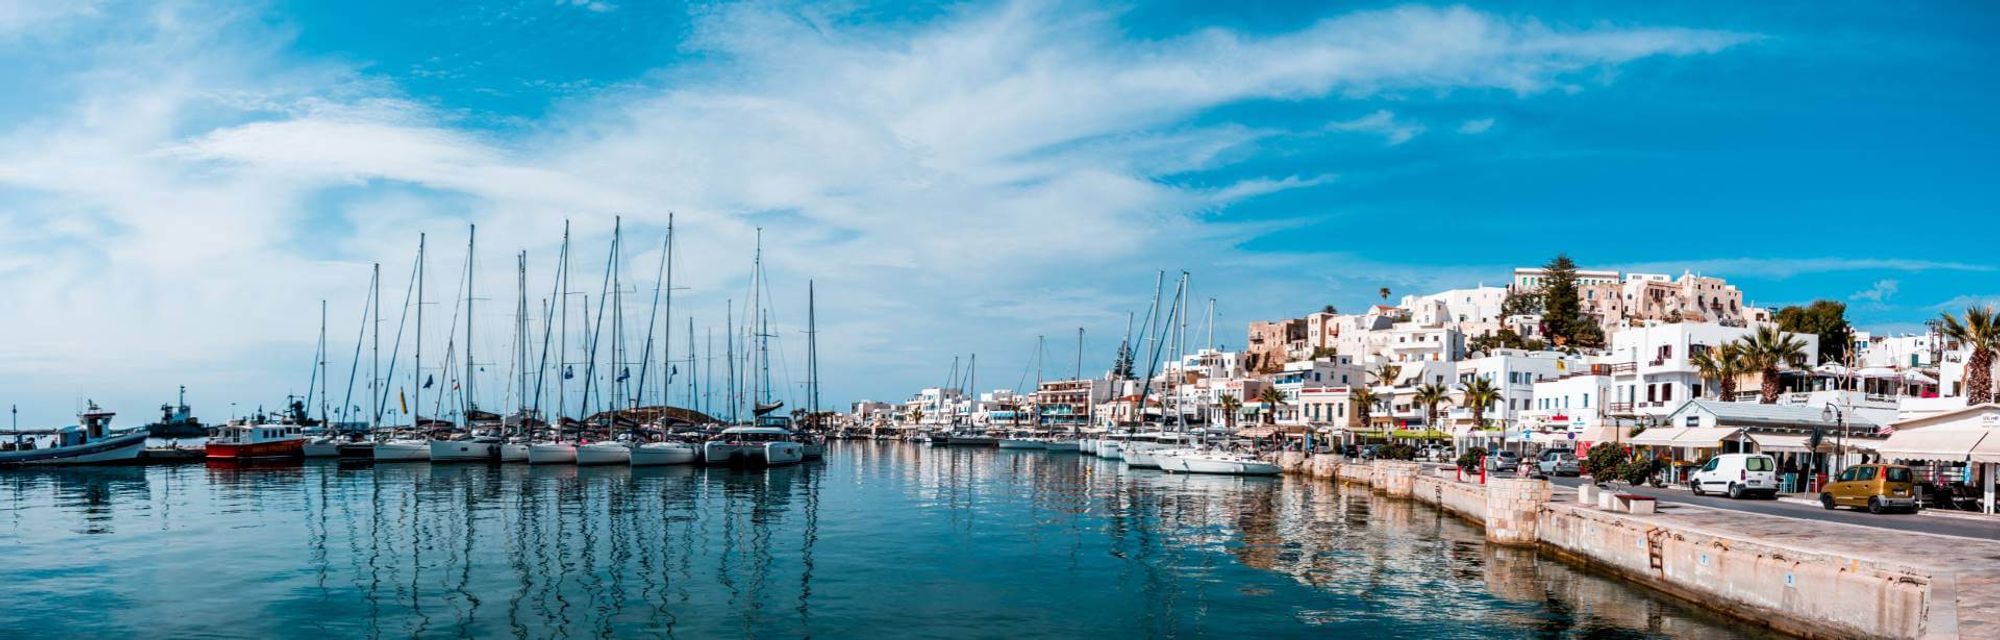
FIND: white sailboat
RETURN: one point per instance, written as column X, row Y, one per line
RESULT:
column 770, row 440
column 466, row 446
column 408, row 447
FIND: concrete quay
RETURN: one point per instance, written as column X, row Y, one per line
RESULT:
column 1807, row 578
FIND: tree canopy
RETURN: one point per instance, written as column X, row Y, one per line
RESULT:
column 1562, row 306
column 1824, row 318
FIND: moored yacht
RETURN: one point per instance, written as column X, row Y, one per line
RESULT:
column 514, row 450
column 1023, row 443
column 663, row 453
column 758, row 446
column 552, row 452
column 1062, row 446
column 1217, row 462
column 466, row 449
column 402, row 449
column 608, row 452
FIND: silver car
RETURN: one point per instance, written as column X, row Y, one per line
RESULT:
column 1559, row 462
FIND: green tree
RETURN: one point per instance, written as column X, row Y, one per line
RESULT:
column 1323, row 353
column 1364, row 400
column 1271, row 397
column 917, row 416
column 1230, row 405
column 1476, row 395
column 1768, row 352
column 1122, row 367
column 1826, row 319
column 1429, row 396
column 1978, row 331
column 1562, row 307
column 1721, row 364
column 1520, row 303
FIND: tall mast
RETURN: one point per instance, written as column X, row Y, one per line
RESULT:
column 756, row 323
column 375, row 353
column 707, row 399
column 812, row 360
column 667, row 332
column 729, row 353
column 471, row 232
column 417, row 395
column 1087, row 408
column 662, row 284
column 520, row 363
column 1211, row 324
column 325, row 383
column 692, row 378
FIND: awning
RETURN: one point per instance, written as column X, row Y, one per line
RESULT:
column 1941, row 444
column 1656, row 437
column 1704, row 437
column 1602, row 434
column 1786, row 443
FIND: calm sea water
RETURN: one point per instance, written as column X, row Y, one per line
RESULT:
column 881, row 540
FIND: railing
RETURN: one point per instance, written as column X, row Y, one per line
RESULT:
column 1618, row 407
column 1624, row 367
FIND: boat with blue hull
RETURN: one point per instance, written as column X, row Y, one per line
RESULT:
column 91, row 442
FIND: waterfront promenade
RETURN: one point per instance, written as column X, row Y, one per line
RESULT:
column 1811, row 577
column 1930, row 521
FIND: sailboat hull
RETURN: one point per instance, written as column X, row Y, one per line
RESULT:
column 402, row 451
column 663, row 453
column 1062, row 446
column 552, row 453
column 603, row 453
column 464, row 451
column 513, row 452
column 322, row 448
column 1012, row 443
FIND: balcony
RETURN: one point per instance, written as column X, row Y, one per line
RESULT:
column 1624, row 368
column 1618, row 408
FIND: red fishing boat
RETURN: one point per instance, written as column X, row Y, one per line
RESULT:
column 255, row 441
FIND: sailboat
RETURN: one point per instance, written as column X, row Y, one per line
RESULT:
column 813, row 442
column 90, row 442
column 606, row 451
column 1070, row 443
column 662, row 452
column 768, row 441
column 466, row 445
column 552, row 449
column 515, row 447
column 410, row 447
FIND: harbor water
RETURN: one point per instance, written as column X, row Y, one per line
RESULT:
column 880, row 540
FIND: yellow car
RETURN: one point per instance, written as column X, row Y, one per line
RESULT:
column 1878, row 487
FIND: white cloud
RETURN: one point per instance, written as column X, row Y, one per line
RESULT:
column 1382, row 123
column 1881, row 292
column 180, row 219
column 1476, row 127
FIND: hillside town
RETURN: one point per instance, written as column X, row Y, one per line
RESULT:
column 1680, row 368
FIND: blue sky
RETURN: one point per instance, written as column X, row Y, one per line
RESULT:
column 181, row 184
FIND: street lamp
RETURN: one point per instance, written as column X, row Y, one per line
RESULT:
column 1833, row 414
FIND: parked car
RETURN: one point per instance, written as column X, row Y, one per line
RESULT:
column 1878, row 487
column 1559, row 462
column 1504, row 461
column 1737, row 475
column 1435, row 453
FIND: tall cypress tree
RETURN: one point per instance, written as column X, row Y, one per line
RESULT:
column 1562, row 307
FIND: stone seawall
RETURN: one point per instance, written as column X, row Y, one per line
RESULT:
column 1808, row 592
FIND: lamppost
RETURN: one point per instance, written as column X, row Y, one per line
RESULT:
column 1833, row 414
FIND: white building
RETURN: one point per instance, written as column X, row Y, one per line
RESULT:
column 1514, row 373
column 1650, row 364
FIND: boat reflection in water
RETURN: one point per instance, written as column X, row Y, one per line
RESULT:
column 920, row 541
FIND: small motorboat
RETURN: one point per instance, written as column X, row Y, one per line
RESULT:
column 92, row 442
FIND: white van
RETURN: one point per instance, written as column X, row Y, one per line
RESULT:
column 1737, row 474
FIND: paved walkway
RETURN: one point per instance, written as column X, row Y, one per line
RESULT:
column 1974, row 565
column 1965, row 525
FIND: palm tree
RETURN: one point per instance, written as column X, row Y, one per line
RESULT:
column 1230, row 405
column 1980, row 332
column 1364, row 400
column 917, row 416
column 1476, row 395
column 1386, row 373
column 1385, row 294
column 1271, row 397
column 1768, row 352
column 1721, row 364
column 1429, row 396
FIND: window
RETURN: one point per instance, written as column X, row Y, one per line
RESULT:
column 1758, row 463
column 1666, row 392
column 1864, row 473
column 1846, row 476
column 1896, row 474
column 1711, row 464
